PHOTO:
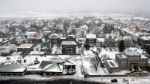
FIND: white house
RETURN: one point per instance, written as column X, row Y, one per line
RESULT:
column 6, row 49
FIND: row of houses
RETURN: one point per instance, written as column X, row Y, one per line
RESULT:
column 68, row 45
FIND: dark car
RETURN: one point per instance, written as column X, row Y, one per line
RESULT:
column 114, row 80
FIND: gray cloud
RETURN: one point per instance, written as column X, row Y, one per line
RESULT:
column 52, row 5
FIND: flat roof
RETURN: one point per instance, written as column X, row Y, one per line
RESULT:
column 30, row 33
column 112, row 63
column 101, row 39
column 68, row 43
column 64, row 56
column 90, row 35
column 13, row 68
column 36, row 53
column 25, row 46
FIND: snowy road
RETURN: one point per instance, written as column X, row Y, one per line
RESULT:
column 131, row 80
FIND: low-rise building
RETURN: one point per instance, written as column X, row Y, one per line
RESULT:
column 34, row 37
column 13, row 69
column 25, row 48
column 52, row 66
column 112, row 66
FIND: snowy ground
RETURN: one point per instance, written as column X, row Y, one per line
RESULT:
column 78, row 67
column 109, row 52
column 31, row 58
column 123, row 80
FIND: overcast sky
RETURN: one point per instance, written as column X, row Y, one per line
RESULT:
column 91, row 5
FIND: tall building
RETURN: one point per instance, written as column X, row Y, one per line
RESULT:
column 69, row 47
column 91, row 39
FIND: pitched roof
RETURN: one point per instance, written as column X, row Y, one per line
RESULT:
column 56, row 67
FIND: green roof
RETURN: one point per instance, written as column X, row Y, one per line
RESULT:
column 45, row 63
column 46, row 45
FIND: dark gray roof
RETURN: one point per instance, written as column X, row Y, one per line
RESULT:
column 13, row 68
column 51, row 60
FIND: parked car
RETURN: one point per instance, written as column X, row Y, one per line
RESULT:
column 114, row 80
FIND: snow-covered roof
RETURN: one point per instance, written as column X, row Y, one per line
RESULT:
column 30, row 33
column 90, row 36
column 53, row 68
column 69, row 60
column 25, row 46
column 72, row 35
column 112, row 63
column 13, row 68
column 1, row 39
column 107, row 52
column 52, row 64
column 36, row 53
column 122, row 56
column 88, row 52
column 31, row 58
column 80, row 38
column 144, row 57
column 68, row 43
column 145, row 37
column 100, row 39
column 2, row 59
column 55, row 35
column 34, row 35
column 127, row 38
column 131, row 52
column 63, row 56
column 84, row 27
